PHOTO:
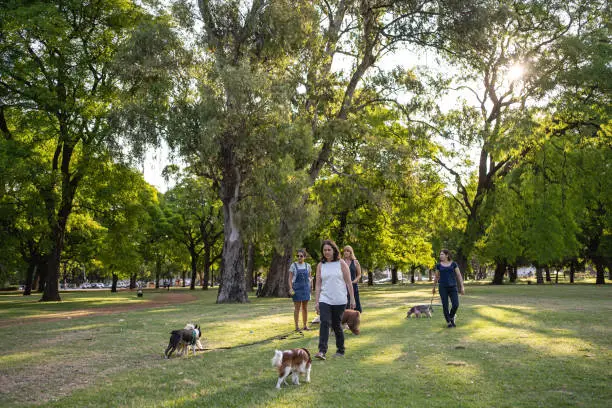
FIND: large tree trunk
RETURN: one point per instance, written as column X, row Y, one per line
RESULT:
column 341, row 232
column 394, row 275
column 57, row 221
column 232, row 288
column 114, row 284
column 27, row 291
column 513, row 274
column 601, row 277
column 277, row 281
column 51, row 289
column 539, row 276
column 40, row 275
column 461, row 259
column 500, row 270
column 572, row 270
column 547, row 269
column 370, row 278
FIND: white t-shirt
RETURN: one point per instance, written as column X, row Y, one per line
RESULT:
column 333, row 287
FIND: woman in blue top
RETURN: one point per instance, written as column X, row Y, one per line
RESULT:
column 448, row 277
column 299, row 287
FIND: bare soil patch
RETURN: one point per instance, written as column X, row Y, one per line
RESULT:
column 158, row 300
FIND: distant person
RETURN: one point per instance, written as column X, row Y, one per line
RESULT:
column 260, row 282
column 448, row 277
column 299, row 287
column 355, row 268
column 333, row 280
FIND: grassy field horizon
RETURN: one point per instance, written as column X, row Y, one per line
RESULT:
column 515, row 346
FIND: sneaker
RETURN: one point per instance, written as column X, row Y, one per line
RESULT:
column 338, row 354
column 306, row 328
column 320, row 355
column 450, row 325
column 453, row 322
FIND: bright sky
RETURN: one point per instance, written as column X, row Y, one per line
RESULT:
column 157, row 159
column 154, row 163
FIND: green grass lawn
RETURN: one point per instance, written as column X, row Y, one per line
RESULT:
column 515, row 346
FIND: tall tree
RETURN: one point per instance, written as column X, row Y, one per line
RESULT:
column 229, row 122
column 57, row 59
column 506, row 70
column 361, row 32
column 195, row 222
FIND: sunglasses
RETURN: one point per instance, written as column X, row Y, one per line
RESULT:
column 300, row 256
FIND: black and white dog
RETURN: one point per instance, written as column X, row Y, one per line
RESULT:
column 187, row 337
column 199, row 346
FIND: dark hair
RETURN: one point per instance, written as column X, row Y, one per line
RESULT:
column 334, row 247
column 302, row 251
column 446, row 252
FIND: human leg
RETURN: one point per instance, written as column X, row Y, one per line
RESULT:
column 444, row 298
column 325, row 315
column 336, row 323
column 305, row 314
column 296, row 314
column 357, row 300
column 454, row 297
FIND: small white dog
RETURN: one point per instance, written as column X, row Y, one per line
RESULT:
column 294, row 362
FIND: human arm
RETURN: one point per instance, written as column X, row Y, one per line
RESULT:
column 318, row 286
column 459, row 280
column 346, row 274
column 358, row 274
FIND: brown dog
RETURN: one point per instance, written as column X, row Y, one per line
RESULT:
column 294, row 362
column 352, row 318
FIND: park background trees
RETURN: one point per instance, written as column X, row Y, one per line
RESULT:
column 293, row 126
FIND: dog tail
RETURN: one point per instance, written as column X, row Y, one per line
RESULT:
column 307, row 353
column 277, row 360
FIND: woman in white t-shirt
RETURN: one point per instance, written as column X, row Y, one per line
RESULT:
column 333, row 280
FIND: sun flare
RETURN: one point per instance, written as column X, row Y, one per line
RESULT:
column 516, row 72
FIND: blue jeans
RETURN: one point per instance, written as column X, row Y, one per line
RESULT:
column 331, row 315
column 445, row 293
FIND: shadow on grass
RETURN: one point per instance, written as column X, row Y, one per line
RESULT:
column 394, row 362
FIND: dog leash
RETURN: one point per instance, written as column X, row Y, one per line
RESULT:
column 269, row 339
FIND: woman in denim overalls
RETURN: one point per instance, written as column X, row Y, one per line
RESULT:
column 299, row 287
